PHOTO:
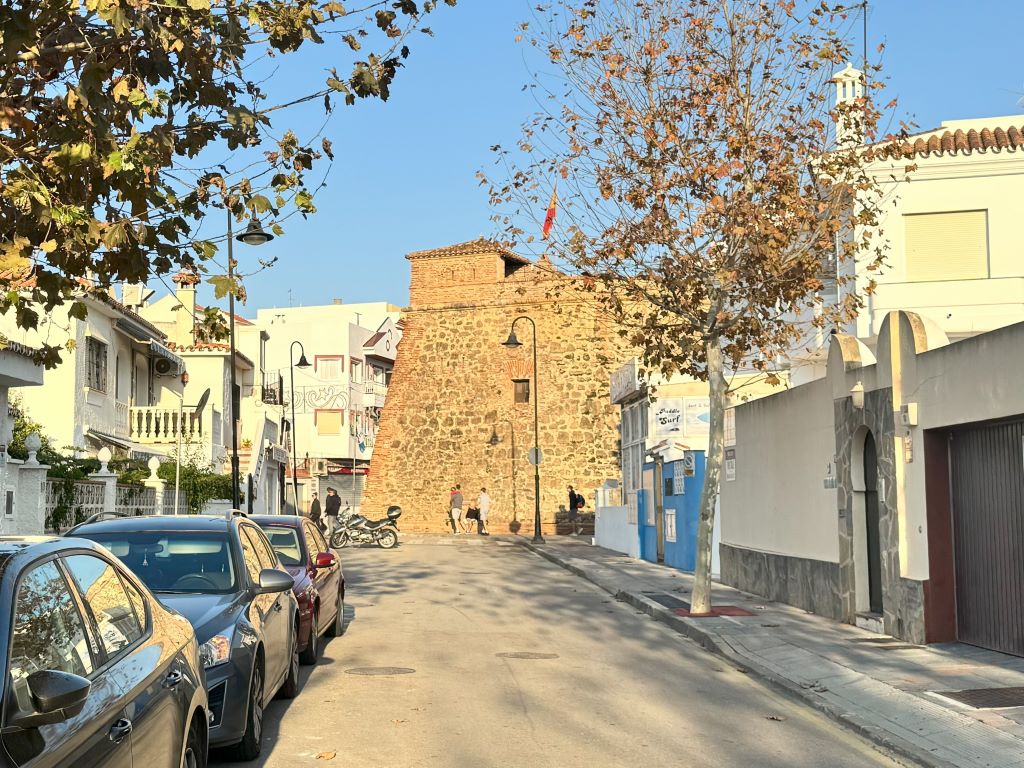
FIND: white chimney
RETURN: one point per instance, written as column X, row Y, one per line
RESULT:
column 849, row 106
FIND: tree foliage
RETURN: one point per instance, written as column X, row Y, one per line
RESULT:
column 114, row 115
column 704, row 197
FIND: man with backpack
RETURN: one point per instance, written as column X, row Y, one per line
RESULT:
column 576, row 503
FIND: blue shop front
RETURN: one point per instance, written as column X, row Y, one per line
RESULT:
column 667, row 510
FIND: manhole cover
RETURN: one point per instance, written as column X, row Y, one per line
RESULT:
column 526, row 655
column 371, row 671
column 669, row 601
column 988, row 698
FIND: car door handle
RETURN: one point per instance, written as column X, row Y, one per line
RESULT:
column 173, row 680
column 119, row 730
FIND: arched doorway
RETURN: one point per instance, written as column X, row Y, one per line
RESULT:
column 871, row 521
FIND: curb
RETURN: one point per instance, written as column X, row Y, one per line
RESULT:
column 712, row 642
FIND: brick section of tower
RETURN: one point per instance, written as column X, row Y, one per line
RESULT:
column 452, row 387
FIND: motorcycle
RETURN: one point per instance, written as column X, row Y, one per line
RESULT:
column 356, row 529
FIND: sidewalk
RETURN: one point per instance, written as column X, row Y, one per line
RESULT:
column 887, row 690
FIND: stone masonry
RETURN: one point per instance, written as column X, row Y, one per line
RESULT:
column 453, row 388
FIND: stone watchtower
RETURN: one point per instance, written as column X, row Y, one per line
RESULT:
column 455, row 387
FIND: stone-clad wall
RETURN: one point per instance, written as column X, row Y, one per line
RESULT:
column 452, row 387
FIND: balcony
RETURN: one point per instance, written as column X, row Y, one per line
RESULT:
column 159, row 424
column 376, row 391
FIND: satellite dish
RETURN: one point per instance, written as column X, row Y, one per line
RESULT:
column 202, row 402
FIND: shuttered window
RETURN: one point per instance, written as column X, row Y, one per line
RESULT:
column 947, row 246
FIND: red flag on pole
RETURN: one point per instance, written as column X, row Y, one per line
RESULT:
column 549, row 219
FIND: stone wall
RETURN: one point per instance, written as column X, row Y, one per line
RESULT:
column 452, row 388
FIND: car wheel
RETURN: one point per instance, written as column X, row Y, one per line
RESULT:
column 252, row 742
column 308, row 656
column 195, row 750
column 387, row 539
column 290, row 688
column 337, row 628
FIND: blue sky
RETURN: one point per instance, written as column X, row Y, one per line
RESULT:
column 405, row 180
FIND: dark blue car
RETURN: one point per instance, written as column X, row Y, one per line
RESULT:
column 96, row 671
column 221, row 574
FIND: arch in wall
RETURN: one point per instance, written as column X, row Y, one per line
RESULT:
column 866, row 513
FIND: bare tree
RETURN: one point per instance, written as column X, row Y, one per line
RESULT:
column 705, row 197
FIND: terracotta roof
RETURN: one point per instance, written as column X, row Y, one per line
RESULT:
column 186, row 278
column 26, row 280
column 469, row 248
column 17, row 348
column 208, row 346
column 238, row 318
column 961, row 142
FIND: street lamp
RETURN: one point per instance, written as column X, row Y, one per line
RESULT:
column 254, row 235
column 513, row 343
column 292, row 365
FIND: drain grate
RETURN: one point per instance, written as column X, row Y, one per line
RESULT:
column 669, row 601
column 988, row 698
column 379, row 671
column 876, row 640
column 526, row 655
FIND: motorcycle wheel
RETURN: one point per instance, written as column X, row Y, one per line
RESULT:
column 387, row 539
column 339, row 540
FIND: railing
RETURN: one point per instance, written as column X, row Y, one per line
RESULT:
column 136, row 500
column 272, row 391
column 378, row 390
column 122, row 415
column 69, row 502
column 159, row 424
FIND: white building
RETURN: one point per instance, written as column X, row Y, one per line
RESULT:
column 117, row 367
column 337, row 399
column 208, row 433
column 954, row 234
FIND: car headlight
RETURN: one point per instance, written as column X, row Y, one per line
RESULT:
column 216, row 650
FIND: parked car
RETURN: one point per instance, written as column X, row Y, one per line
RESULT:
column 319, row 580
column 97, row 671
column 221, row 574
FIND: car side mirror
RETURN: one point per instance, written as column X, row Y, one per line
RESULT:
column 273, row 580
column 326, row 560
column 56, row 696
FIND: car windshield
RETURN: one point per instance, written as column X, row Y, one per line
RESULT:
column 174, row 561
column 285, row 542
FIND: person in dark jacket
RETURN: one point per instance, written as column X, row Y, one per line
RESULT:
column 575, row 502
column 314, row 512
column 332, row 507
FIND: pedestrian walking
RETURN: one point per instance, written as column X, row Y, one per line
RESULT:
column 332, row 507
column 483, row 503
column 576, row 503
column 456, row 510
column 314, row 512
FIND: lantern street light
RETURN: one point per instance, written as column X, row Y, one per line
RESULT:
column 513, row 343
column 254, row 235
column 292, row 365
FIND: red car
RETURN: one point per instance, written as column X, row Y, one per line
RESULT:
column 319, row 581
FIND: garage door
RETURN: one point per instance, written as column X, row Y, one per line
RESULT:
column 988, row 535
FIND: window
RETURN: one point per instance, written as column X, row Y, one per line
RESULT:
column 96, row 364
column 249, row 554
column 312, row 545
column 947, row 246
column 106, row 600
column 522, row 391
column 329, row 367
column 49, row 632
column 175, row 561
column 321, row 542
column 117, row 376
column 264, row 551
column 355, row 370
column 328, row 422
column 670, row 525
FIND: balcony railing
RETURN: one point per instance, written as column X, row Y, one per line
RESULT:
column 377, row 392
column 159, row 424
column 272, row 392
column 122, row 415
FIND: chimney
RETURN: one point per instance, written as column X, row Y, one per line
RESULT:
column 849, row 110
column 335, row 301
column 185, row 315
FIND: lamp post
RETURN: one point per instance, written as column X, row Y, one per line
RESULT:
column 513, row 343
column 254, row 235
column 292, row 365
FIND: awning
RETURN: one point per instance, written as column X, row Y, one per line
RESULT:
column 135, row 449
column 141, row 336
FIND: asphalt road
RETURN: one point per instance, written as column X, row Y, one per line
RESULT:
column 622, row 690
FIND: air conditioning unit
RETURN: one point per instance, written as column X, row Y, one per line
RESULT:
column 164, row 367
column 320, row 467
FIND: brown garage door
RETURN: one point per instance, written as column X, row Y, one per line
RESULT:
column 988, row 535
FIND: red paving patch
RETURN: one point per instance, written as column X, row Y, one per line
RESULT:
column 718, row 610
